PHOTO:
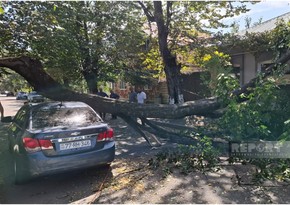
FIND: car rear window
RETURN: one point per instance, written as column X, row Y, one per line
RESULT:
column 64, row 117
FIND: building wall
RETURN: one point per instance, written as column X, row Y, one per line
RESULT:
column 238, row 63
column 156, row 92
column 249, row 67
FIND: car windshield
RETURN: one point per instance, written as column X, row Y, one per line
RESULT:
column 64, row 117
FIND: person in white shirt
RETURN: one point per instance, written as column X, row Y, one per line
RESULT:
column 141, row 96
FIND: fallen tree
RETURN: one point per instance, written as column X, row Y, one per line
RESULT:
column 32, row 70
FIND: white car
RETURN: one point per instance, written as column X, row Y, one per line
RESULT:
column 35, row 97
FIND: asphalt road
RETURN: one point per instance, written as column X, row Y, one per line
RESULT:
column 11, row 105
column 71, row 186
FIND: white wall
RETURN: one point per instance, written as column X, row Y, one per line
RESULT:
column 249, row 67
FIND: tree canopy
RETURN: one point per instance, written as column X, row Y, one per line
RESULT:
column 71, row 42
column 74, row 40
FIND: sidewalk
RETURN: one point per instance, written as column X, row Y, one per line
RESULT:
column 133, row 182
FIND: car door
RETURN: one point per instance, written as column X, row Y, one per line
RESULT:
column 18, row 128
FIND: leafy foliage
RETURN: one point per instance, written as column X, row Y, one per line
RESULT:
column 200, row 157
column 11, row 81
column 272, row 169
column 266, row 110
column 219, row 67
column 75, row 40
column 261, row 117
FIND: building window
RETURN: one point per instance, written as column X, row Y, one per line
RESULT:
column 122, row 85
column 112, row 86
column 147, row 87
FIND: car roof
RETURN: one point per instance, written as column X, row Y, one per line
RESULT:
column 66, row 104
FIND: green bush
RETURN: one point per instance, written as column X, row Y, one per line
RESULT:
column 199, row 157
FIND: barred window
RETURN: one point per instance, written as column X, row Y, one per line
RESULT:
column 122, row 85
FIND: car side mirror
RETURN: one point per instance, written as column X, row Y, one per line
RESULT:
column 7, row 119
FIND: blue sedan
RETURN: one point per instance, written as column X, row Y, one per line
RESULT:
column 56, row 137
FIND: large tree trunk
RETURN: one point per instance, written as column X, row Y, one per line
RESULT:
column 90, row 79
column 34, row 73
column 172, row 69
column 86, row 63
column 36, row 76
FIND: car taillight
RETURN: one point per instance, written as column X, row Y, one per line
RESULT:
column 31, row 145
column 45, row 144
column 35, row 145
column 106, row 136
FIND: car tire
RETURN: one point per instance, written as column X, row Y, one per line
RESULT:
column 21, row 176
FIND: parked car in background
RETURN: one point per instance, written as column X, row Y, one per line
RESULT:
column 7, row 93
column 53, row 137
column 21, row 96
column 35, row 97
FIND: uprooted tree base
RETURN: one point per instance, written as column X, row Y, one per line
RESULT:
column 32, row 70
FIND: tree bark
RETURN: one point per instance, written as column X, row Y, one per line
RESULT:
column 171, row 68
column 32, row 70
column 86, row 62
column 36, row 76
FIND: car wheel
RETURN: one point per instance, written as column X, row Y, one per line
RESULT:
column 20, row 175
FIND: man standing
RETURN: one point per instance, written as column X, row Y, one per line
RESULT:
column 132, row 96
column 141, row 97
column 114, row 96
column 103, row 94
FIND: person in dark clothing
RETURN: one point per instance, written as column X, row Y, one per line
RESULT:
column 103, row 94
column 114, row 96
column 132, row 95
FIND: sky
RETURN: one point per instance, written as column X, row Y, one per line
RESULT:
column 266, row 9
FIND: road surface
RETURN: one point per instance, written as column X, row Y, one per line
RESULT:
column 10, row 105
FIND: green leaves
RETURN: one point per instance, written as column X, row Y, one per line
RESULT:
column 262, row 116
column 74, row 39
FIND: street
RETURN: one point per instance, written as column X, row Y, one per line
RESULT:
column 130, row 180
column 10, row 105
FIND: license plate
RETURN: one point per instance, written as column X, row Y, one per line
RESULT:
column 75, row 145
